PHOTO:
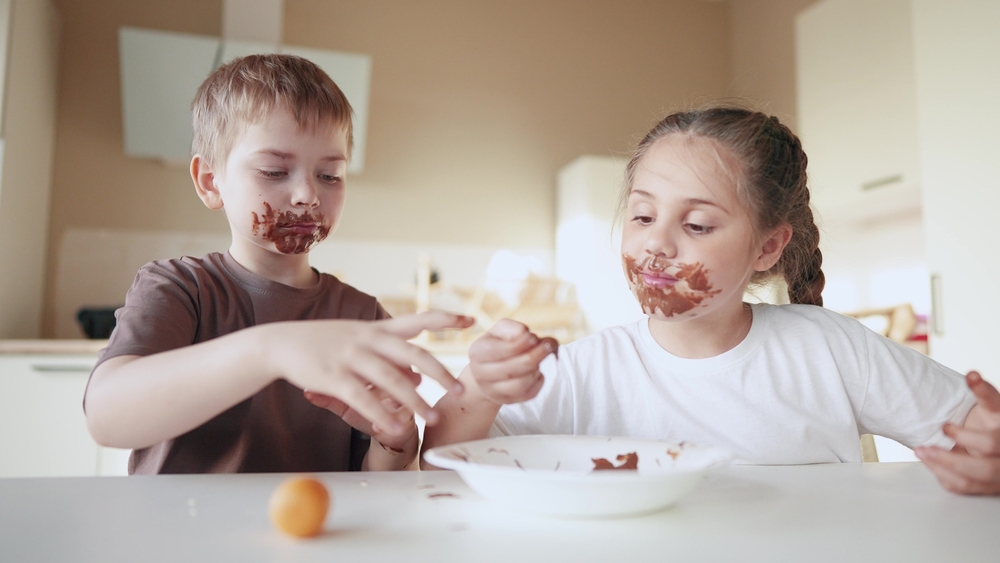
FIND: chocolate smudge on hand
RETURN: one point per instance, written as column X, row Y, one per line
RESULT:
column 554, row 343
column 392, row 449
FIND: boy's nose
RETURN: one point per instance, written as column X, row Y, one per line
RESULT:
column 305, row 194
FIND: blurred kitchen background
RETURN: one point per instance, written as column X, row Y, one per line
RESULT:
column 491, row 141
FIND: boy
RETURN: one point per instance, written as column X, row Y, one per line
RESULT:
column 204, row 371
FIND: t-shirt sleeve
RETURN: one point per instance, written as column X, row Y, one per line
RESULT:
column 550, row 412
column 909, row 396
column 160, row 314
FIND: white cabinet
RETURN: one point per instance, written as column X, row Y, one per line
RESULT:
column 161, row 72
column 43, row 432
column 958, row 78
column 908, row 88
column 588, row 247
column 857, row 108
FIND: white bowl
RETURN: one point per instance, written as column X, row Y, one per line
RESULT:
column 555, row 475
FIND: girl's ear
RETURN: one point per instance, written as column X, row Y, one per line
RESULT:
column 771, row 249
column 204, row 183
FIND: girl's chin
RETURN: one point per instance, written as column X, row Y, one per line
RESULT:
column 659, row 317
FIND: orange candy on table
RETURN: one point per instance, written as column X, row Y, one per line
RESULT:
column 298, row 506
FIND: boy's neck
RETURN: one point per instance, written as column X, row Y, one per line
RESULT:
column 291, row 269
column 704, row 337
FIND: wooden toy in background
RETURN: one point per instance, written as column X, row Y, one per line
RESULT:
column 547, row 305
column 899, row 323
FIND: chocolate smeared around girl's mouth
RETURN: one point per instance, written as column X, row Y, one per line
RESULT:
column 667, row 299
column 290, row 233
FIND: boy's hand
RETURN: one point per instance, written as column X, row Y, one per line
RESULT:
column 504, row 362
column 362, row 363
column 973, row 466
column 393, row 442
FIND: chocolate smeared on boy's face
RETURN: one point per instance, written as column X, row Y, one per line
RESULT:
column 676, row 292
column 291, row 233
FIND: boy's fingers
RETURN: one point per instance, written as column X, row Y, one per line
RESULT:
column 403, row 353
column 359, row 398
column 986, row 394
column 980, row 443
column 388, row 377
column 327, row 402
column 409, row 326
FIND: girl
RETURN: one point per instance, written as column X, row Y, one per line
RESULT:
column 715, row 200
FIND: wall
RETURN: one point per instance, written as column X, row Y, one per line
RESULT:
column 28, row 131
column 762, row 35
column 474, row 108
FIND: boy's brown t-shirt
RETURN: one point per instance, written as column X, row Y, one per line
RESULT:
column 176, row 303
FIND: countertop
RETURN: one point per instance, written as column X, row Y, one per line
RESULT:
column 835, row 512
column 75, row 346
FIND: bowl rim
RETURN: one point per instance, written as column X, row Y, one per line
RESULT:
column 435, row 457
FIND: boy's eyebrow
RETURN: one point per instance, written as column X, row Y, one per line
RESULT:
column 288, row 156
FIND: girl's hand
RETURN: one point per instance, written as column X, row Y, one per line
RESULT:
column 359, row 364
column 973, row 466
column 504, row 362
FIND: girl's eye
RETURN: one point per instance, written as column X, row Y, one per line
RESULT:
column 272, row 174
column 643, row 219
column 699, row 229
column 330, row 178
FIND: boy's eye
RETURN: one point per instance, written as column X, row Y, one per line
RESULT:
column 330, row 178
column 272, row 174
column 699, row 229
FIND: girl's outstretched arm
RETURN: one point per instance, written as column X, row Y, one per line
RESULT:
column 973, row 466
column 503, row 368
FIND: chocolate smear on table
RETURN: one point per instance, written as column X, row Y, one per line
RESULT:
column 691, row 289
column 629, row 461
column 281, row 229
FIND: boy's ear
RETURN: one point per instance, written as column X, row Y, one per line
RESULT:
column 204, row 183
column 771, row 249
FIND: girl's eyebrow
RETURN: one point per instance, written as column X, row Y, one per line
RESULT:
column 688, row 201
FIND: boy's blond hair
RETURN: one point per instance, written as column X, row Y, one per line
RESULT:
column 245, row 90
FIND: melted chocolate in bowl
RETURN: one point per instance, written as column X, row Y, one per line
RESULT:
column 289, row 232
column 692, row 288
column 627, row 461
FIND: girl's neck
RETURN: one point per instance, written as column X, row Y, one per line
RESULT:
column 704, row 337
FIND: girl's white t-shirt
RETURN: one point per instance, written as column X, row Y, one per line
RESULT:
column 802, row 387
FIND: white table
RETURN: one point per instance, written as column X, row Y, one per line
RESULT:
column 846, row 512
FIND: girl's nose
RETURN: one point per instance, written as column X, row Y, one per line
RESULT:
column 661, row 242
